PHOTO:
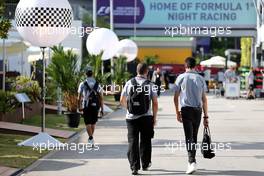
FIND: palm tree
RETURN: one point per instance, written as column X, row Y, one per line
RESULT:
column 63, row 71
column 151, row 60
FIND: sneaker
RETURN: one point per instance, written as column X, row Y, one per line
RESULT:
column 191, row 168
column 134, row 172
column 146, row 168
column 91, row 141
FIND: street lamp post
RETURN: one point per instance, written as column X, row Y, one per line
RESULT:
column 44, row 24
column 4, row 65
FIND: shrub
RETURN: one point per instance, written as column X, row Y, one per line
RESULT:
column 7, row 101
column 24, row 84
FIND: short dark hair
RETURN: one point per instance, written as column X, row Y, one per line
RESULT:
column 89, row 73
column 190, row 62
column 142, row 68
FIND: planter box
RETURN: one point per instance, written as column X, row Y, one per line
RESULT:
column 16, row 115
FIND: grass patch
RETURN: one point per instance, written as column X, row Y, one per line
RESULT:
column 54, row 121
column 15, row 156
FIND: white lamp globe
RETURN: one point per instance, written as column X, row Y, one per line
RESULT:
column 110, row 52
column 127, row 48
column 44, row 23
column 102, row 40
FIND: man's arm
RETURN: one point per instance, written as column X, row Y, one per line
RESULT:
column 205, row 110
column 123, row 101
column 79, row 102
column 155, row 108
column 176, row 103
column 205, row 105
column 102, row 102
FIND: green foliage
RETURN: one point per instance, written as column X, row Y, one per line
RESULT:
column 96, row 62
column 102, row 22
column 7, row 101
column 151, row 60
column 120, row 74
column 63, row 71
column 5, row 24
column 24, row 84
column 219, row 45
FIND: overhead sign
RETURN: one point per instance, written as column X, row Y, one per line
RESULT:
column 199, row 13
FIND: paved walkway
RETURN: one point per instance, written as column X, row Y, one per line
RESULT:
column 239, row 122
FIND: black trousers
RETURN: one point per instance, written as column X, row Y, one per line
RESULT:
column 139, row 150
column 191, row 118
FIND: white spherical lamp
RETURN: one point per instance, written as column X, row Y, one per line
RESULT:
column 102, row 40
column 127, row 48
column 44, row 23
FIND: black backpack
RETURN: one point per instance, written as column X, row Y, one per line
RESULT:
column 138, row 102
column 94, row 97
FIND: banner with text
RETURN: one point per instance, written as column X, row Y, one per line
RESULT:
column 159, row 13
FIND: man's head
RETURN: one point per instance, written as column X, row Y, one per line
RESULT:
column 142, row 69
column 233, row 68
column 190, row 63
column 89, row 72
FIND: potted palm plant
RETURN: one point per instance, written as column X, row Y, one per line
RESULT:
column 66, row 74
column 119, row 76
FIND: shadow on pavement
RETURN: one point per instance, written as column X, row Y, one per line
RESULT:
column 247, row 146
column 106, row 151
column 163, row 172
column 229, row 172
column 55, row 165
column 111, row 124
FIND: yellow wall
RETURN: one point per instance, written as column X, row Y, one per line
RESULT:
column 166, row 55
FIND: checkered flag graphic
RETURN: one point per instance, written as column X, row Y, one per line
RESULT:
column 43, row 17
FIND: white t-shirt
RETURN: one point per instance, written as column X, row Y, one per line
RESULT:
column 221, row 76
column 207, row 75
column 251, row 78
column 84, row 92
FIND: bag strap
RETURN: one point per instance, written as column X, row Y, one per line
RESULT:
column 95, row 87
column 207, row 131
column 87, row 86
column 146, row 82
column 134, row 82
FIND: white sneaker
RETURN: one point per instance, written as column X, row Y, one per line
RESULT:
column 191, row 168
column 91, row 141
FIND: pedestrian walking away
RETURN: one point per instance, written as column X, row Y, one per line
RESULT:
column 190, row 90
column 157, row 79
column 90, row 97
column 138, row 96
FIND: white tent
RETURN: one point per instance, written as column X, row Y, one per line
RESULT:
column 12, row 46
column 34, row 53
column 218, row 61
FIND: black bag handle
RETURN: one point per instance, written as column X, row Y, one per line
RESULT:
column 207, row 131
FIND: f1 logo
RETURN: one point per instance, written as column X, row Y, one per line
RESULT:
column 103, row 10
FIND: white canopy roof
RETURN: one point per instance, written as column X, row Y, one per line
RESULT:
column 218, row 61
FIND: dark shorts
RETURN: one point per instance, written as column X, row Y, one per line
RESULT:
column 90, row 116
column 251, row 87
